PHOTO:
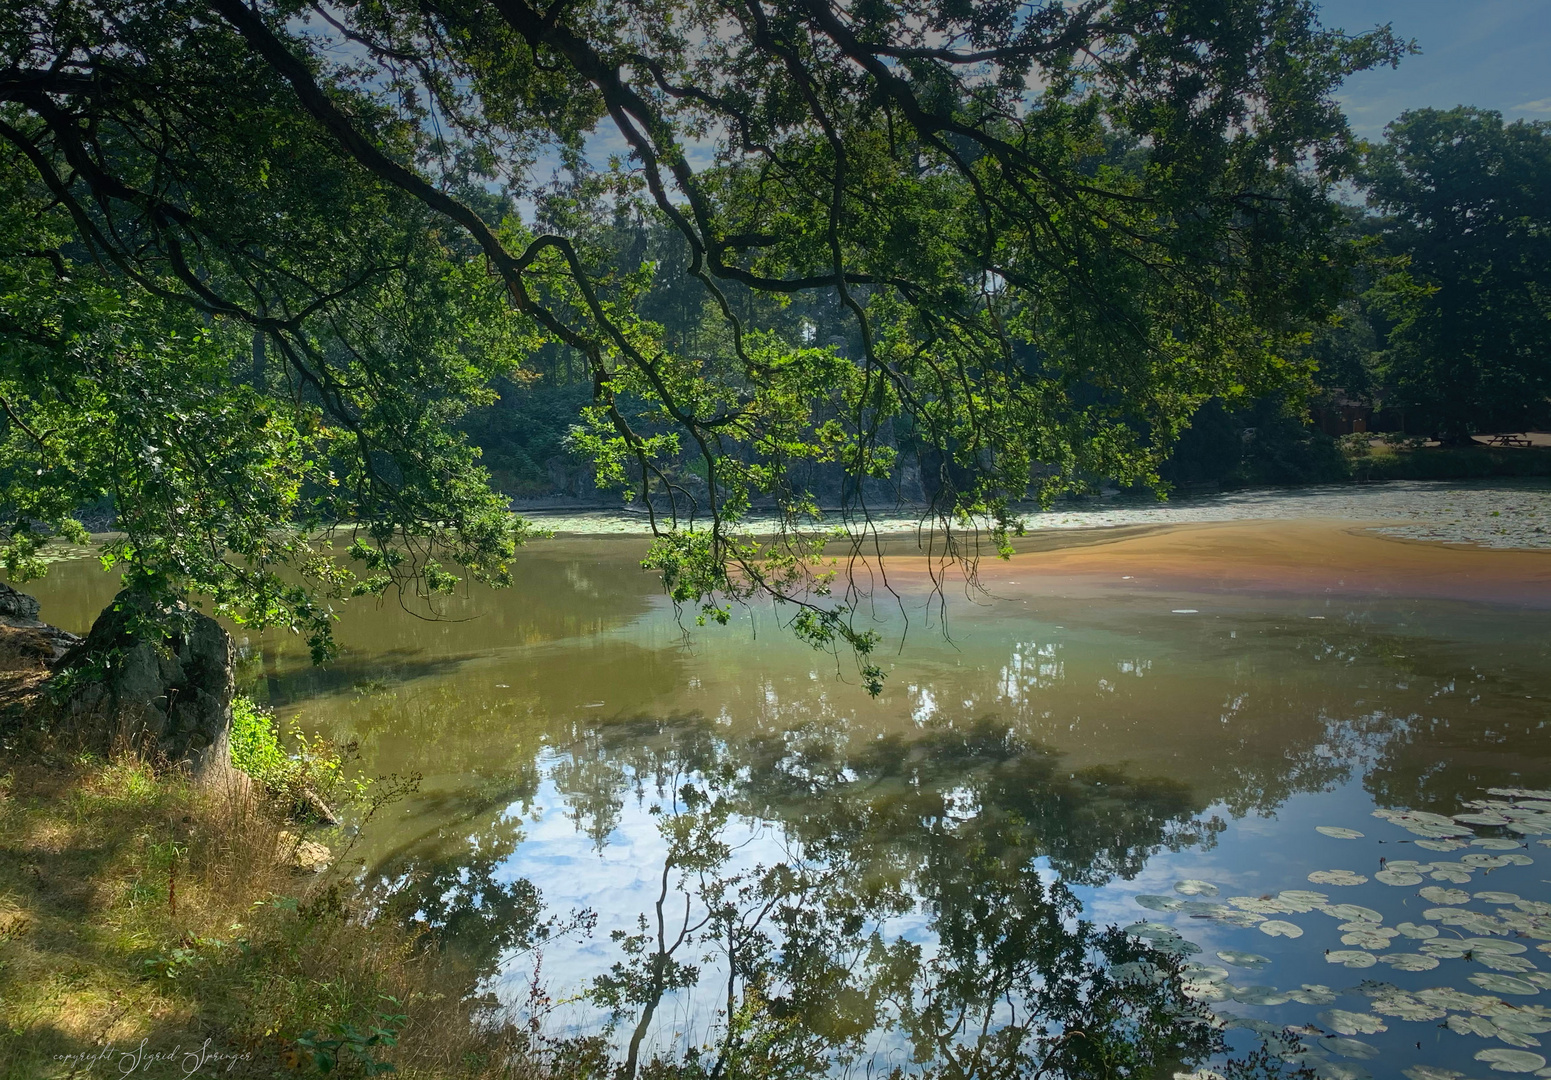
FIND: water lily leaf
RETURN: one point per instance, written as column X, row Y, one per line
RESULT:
column 1497, row 897
column 1336, row 877
column 1516, row 1038
column 1159, row 903
column 1516, row 1061
column 1472, row 1025
column 1412, row 930
column 1398, row 877
column 1430, row 1072
column 1204, row 909
column 1483, row 817
column 1259, row 995
column 1195, row 887
column 1303, row 896
column 1500, row 962
column 1406, row 1007
column 1338, row 832
column 1365, row 939
column 1504, row 984
column 1353, row 1048
column 1373, row 989
column 1253, row 961
column 1539, row 827
column 1352, row 958
column 1448, row 948
column 1312, row 994
column 1409, row 961
column 1352, row 1023
column 1493, row 945
column 1239, row 918
column 1484, row 860
column 1441, row 845
column 1533, row 907
column 1439, row 895
column 1176, row 946
column 1258, row 905
column 1204, row 972
column 1148, row 929
column 1439, row 832
column 1457, row 875
column 1448, row 997
column 1517, row 858
column 1495, row 843
column 1341, row 1070
column 1280, row 928
column 1205, row 991
column 1519, row 793
column 1352, row 912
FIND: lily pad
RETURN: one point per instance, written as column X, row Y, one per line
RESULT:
column 1352, row 1023
column 1482, row 817
column 1195, row 887
column 1352, row 1048
column 1441, row 845
column 1303, row 896
column 1430, row 1072
column 1259, row 995
column 1515, row 1061
column 1448, row 997
column 1500, row 962
column 1495, row 843
column 1412, row 930
column 1533, row 907
column 1406, row 1007
column 1409, row 961
column 1280, row 928
column 1472, row 1025
column 1159, row 903
column 1497, row 897
column 1353, row 912
column 1204, row 973
column 1341, row 1070
column 1338, row 832
column 1336, row 877
column 1253, row 961
column 1484, row 860
column 1517, row 858
column 1504, row 984
column 1397, row 877
column 1365, row 939
column 1439, row 895
column 1210, row 992
column 1352, row 958
column 1313, row 994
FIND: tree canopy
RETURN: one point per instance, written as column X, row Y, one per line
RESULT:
column 258, row 259
column 1467, row 201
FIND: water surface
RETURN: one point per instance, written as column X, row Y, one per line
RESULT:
column 1157, row 712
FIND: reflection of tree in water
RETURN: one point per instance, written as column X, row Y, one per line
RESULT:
column 1002, row 979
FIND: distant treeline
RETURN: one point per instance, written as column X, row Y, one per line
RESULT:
column 1446, row 331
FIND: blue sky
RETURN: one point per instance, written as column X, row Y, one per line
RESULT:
column 1495, row 54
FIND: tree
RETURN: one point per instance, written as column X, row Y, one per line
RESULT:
column 1468, row 200
column 1035, row 239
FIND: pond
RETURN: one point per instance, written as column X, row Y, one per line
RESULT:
column 1302, row 764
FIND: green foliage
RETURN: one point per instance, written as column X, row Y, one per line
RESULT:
column 346, row 1045
column 1010, row 249
column 1467, row 283
column 317, row 766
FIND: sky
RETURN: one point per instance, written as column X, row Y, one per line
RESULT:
column 1494, row 54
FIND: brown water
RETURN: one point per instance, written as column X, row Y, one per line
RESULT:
column 1110, row 713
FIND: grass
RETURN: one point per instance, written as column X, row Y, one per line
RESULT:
column 147, row 915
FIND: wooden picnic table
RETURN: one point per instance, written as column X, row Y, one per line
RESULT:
column 1507, row 440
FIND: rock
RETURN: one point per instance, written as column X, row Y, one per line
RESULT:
column 161, row 671
column 17, row 605
column 305, row 855
column 20, row 612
